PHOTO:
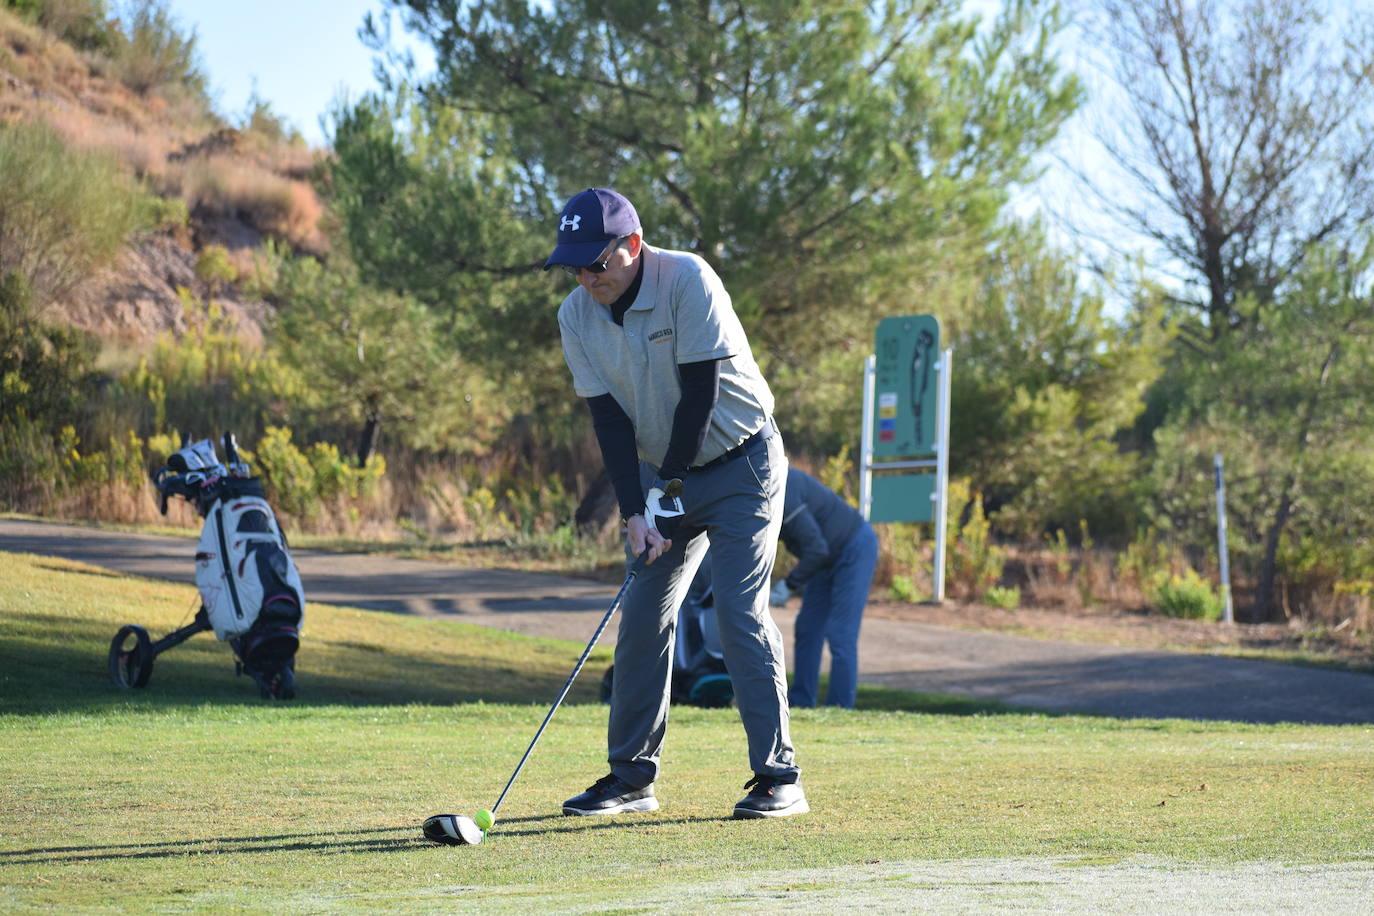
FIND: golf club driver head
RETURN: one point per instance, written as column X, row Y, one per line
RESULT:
column 452, row 830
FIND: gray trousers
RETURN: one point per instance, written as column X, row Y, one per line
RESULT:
column 736, row 507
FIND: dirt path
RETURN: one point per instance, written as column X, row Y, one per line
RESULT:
column 1037, row 673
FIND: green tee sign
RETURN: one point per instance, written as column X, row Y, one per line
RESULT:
column 903, row 498
column 906, row 349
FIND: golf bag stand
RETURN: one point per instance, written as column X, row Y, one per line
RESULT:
column 251, row 594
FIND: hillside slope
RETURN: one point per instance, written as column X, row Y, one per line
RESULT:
column 240, row 185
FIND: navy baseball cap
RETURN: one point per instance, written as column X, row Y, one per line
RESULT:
column 588, row 222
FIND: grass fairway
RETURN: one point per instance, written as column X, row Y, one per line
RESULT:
column 193, row 795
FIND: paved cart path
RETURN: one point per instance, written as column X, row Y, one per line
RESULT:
column 1042, row 674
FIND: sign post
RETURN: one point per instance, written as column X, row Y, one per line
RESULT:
column 1227, row 614
column 905, row 416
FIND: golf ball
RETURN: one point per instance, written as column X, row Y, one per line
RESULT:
column 485, row 819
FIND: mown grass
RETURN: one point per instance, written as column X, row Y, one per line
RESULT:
column 192, row 795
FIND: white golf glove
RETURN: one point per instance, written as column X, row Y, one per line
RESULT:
column 663, row 501
column 780, row 593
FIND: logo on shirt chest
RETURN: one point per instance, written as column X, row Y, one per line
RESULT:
column 661, row 335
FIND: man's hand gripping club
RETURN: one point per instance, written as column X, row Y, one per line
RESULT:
column 663, row 502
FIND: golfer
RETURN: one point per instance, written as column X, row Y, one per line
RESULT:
column 836, row 551
column 655, row 347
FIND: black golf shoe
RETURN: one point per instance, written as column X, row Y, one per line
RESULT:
column 772, row 796
column 612, row 795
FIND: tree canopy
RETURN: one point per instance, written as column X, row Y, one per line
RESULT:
column 833, row 161
column 1250, row 135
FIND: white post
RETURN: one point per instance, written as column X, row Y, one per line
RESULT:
column 1227, row 615
column 866, row 439
column 940, row 496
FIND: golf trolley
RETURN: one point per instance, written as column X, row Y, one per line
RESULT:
column 700, row 677
column 250, row 591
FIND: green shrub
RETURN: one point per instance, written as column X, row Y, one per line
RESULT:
column 904, row 544
column 904, row 589
column 30, row 465
column 541, row 508
column 168, row 213
column 338, row 478
column 1188, row 597
column 483, row 516
column 149, row 50
column 1006, row 598
column 837, row 473
column 975, row 562
column 208, row 380
column 121, row 462
column 1147, row 562
column 63, row 214
column 304, row 484
column 286, row 473
column 44, row 375
column 213, row 267
column 82, row 24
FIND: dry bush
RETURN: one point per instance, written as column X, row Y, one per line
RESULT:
column 294, row 160
column 143, row 152
column 48, row 80
column 1330, row 603
column 364, row 518
column 1074, row 580
column 114, row 102
column 38, row 58
column 288, row 157
column 227, row 185
column 121, row 502
column 301, row 224
column 1100, row 583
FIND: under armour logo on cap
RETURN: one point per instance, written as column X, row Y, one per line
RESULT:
column 588, row 221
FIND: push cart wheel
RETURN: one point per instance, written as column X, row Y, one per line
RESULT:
column 131, row 657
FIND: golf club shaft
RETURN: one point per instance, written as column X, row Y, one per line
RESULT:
column 635, row 567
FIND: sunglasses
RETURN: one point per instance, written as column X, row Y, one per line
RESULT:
column 596, row 267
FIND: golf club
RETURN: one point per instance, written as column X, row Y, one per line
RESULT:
column 461, row 830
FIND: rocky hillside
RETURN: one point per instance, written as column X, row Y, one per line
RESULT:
column 238, row 185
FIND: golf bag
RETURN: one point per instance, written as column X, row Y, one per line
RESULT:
column 700, row 677
column 250, row 591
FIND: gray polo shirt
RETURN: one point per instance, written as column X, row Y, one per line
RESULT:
column 681, row 315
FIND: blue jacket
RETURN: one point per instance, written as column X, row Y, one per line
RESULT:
column 816, row 526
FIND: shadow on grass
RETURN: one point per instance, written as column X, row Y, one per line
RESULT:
column 888, row 699
column 42, row 678
column 374, row 839
column 58, row 664
column 364, row 840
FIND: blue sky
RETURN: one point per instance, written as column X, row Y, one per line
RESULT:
column 300, row 54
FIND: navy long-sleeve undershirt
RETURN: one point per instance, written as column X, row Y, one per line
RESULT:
column 700, row 383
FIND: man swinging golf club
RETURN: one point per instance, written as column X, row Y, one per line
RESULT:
column 655, row 347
